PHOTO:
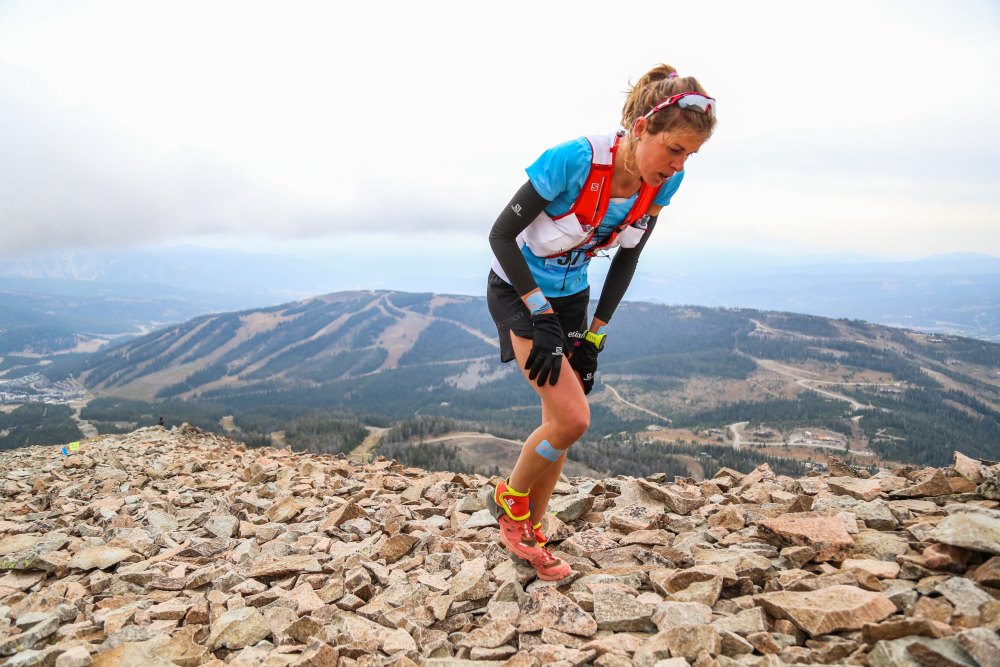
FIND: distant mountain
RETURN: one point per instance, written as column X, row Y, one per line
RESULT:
column 396, row 355
column 956, row 293
column 256, row 278
column 48, row 316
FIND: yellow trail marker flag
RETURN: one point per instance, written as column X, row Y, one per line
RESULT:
column 72, row 447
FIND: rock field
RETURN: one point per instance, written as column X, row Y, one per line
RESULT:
column 161, row 548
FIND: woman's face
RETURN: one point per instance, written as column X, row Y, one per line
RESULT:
column 660, row 156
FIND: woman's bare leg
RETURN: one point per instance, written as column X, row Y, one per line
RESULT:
column 565, row 417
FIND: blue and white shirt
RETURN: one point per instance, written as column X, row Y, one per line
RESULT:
column 558, row 175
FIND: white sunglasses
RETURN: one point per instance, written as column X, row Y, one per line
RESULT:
column 702, row 103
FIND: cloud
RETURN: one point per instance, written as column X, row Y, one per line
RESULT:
column 124, row 122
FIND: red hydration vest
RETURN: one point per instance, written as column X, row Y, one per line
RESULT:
column 592, row 204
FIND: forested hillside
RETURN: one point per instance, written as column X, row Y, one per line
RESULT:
column 705, row 376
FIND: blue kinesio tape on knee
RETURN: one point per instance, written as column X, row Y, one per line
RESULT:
column 547, row 451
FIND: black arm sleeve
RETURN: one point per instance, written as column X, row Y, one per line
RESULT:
column 520, row 212
column 620, row 275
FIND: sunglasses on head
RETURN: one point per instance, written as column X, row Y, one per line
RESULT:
column 702, row 103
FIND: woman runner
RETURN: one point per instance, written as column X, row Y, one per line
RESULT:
column 582, row 197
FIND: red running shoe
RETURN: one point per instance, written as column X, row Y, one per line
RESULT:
column 548, row 567
column 539, row 537
column 512, row 503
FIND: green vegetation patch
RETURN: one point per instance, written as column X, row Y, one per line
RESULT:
column 443, row 341
column 38, row 424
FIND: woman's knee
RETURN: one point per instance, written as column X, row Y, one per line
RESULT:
column 573, row 422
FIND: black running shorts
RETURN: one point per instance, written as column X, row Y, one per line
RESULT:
column 510, row 314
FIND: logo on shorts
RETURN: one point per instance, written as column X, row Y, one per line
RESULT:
column 517, row 209
column 594, row 187
column 558, row 351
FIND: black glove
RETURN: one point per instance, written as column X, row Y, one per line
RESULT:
column 545, row 358
column 584, row 360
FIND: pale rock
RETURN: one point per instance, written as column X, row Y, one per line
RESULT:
column 77, row 656
column 970, row 527
column 587, row 542
column 339, row 515
column 319, row 654
column 162, row 521
column 746, row 563
column 30, row 637
column 135, row 654
column 480, row 519
column 91, row 558
column 279, row 619
column 876, row 514
column 969, row 468
column 919, row 652
column 861, row 489
column 561, row 655
column 878, row 568
column 471, row 582
column 742, row 623
column 548, row 608
column 704, row 592
column 668, row 615
column 655, row 537
column 824, row 534
column 397, row 641
column 631, row 518
column 655, row 650
column 306, row 600
column 730, row 518
column 990, row 488
column 903, row 627
column 617, row 610
column 44, row 554
column 222, row 525
column 285, row 566
column 572, row 507
column 879, row 545
column 491, row 635
column 734, row 644
column 963, row 594
column 238, row 628
column 285, row 509
column 14, row 543
column 472, row 502
column 828, row 609
column 982, row 644
column 677, row 501
column 687, row 641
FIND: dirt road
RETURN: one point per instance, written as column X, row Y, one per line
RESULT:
column 614, row 392
column 362, row 452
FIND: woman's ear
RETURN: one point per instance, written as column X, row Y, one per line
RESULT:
column 638, row 126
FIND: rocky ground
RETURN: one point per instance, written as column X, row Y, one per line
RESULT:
column 162, row 548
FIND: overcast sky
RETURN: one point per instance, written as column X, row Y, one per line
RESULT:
column 867, row 126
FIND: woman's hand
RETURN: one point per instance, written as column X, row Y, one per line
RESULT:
column 545, row 359
column 583, row 359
